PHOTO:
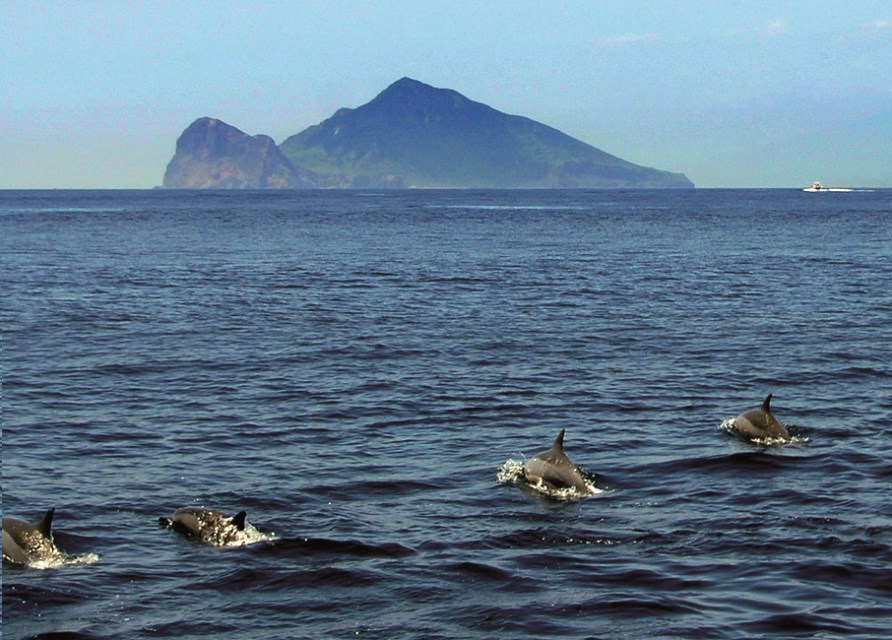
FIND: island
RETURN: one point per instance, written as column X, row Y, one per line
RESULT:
column 411, row 135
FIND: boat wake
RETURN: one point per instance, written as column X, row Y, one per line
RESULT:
column 817, row 187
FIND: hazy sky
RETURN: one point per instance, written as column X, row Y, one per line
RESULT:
column 749, row 93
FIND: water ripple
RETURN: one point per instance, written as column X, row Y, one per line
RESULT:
column 353, row 370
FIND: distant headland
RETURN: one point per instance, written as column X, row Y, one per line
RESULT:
column 410, row 135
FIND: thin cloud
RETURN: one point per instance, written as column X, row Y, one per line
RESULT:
column 875, row 26
column 625, row 39
column 774, row 27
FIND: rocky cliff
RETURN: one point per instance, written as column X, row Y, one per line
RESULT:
column 211, row 154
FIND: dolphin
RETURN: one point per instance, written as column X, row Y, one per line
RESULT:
column 760, row 424
column 209, row 526
column 25, row 543
column 554, row 469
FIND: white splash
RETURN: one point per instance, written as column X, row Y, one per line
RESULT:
column 64, row 560
column 510, row 472
column 232, row 537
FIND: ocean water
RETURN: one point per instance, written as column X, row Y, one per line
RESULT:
column 361, row 372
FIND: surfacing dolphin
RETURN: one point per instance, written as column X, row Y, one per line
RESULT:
column 554, row 470
column 760, row 424
column 25, row 543
column 211, row 527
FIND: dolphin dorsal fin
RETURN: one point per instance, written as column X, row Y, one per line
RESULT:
column 45, row 526
column 239, row 520
column 766, row 403
column 559, row 442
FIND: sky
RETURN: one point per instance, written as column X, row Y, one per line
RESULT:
column 731, row 93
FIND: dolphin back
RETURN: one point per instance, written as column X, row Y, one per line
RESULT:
column 208, row 525
column 760, row 423
column 12, row 547
column 554, row 469
column 24, row 543
column 45, row 526
column 555, row 455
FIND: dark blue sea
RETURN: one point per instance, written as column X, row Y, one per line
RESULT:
column 357, row 370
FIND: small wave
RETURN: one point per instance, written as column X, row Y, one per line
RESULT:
column 799, row 624
column 322, row 546
column 482, row 571
column 754, row 459
column 544, row 537
column 285, row 578
column 62, row 210
column 635, row 607
column 508, row 207
column 511, row 472
column 63, row 635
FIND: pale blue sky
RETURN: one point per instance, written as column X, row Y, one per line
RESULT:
column 749, row 93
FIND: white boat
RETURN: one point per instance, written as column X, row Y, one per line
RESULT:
column 817, row 186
